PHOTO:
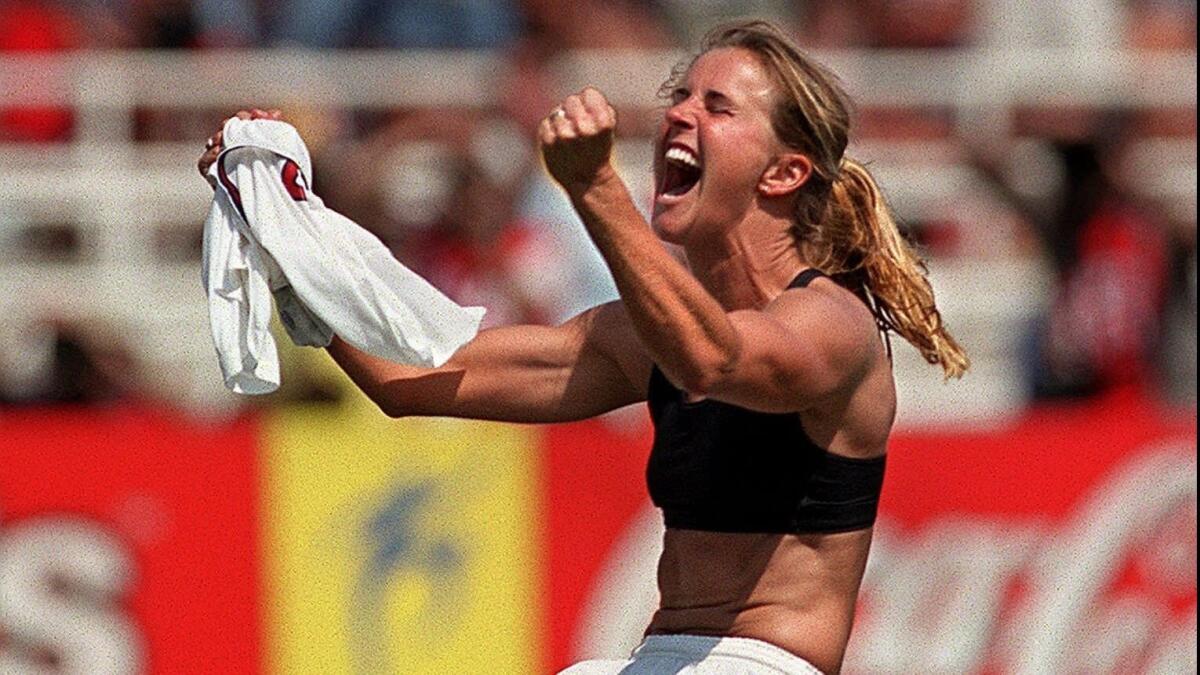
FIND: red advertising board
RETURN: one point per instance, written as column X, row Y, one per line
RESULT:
column 134, row 540
column 128, row 543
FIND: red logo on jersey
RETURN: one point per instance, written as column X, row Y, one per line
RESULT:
column 293, row 181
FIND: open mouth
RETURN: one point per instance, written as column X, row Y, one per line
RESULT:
column 681, row 171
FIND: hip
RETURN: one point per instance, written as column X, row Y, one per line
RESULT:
column 700, row 655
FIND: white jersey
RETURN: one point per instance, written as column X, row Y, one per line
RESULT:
column 267, row 233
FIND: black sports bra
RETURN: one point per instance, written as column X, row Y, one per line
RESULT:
column 723, row 468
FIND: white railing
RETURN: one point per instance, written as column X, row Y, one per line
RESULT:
column 106, row 85
column 117, row 191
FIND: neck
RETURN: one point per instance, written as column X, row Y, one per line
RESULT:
column 751, row 265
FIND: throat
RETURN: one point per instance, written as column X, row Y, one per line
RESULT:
column 747, row 273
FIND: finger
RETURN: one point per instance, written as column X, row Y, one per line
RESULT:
column 212, row 149
column 546, row 132
column 275, row 114
column 579, row 117
column 243, row 115
column 593, row 100
column 562, row 125
column 597, row 105
column 207, row 159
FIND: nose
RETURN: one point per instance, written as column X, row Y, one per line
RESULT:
column 681, row 115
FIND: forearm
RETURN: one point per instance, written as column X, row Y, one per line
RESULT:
column 511, row 373
column 682, row 325
column 398, row 389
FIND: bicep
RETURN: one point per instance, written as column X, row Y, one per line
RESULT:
column 527, row 374
column 792, row 357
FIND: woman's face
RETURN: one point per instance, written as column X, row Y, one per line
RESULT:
column 714, row 144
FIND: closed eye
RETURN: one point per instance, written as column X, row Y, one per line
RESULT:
column 718, row 103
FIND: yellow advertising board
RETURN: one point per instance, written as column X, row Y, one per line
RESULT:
column 400, row 546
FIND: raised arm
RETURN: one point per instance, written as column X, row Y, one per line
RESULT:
column 798, row 351
column 589, row 365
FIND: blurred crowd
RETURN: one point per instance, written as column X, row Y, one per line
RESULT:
column 458, row 194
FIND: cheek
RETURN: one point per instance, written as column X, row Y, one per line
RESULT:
column 733, row 180
column 739, row 163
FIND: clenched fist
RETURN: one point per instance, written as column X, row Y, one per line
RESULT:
column 576, row 141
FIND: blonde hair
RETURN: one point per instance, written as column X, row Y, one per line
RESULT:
column 842, row 223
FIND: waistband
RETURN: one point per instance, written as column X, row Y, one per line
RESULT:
column 698, row 646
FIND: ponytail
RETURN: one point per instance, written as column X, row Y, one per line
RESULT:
column 858, row 243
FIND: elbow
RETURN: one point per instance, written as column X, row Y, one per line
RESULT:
column 389, row 405
column 392, row 411
column 704, row 375
column 388, row 408
column 701, row 382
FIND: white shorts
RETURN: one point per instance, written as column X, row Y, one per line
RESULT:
column 700, row 655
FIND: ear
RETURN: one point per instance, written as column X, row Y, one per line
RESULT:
column 785, row 175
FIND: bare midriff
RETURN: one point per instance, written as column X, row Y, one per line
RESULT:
column 796, row 592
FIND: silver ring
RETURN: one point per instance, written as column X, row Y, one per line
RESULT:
column 209, row 144
column 558, row 112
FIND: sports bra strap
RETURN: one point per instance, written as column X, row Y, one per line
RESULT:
column 805, row 278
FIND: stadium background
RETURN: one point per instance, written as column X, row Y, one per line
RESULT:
column 1039, row 516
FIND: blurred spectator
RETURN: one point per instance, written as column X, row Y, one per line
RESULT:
column 164, row 24
column 412, row 24
column 229, row 23
column 1162, row 24
column 919, row 24
column 689, row 20
column 395, row 180
column 833, row 24
column 595, row 24
column 75, row 362
column 528, row 90
column 134, row 24
column 1177, row 362
column 1110, row 254
column 1106, row 318
column 481, row 254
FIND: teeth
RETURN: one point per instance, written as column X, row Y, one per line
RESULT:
column 681, row 155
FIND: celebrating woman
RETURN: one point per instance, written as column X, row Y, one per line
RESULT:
column 763, row 356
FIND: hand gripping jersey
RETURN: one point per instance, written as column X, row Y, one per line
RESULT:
column 268, row 234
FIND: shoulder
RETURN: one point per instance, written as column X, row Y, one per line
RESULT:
column 832, row 321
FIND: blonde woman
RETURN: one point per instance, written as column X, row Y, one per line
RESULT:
column 761, row 358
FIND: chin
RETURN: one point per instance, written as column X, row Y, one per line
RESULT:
column 668, row 229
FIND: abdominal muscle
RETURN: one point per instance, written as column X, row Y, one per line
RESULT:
column 797, row 592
